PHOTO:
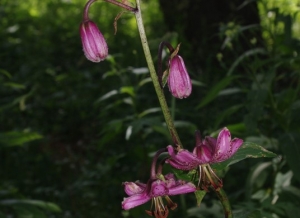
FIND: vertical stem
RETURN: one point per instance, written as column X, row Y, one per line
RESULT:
column 154, row 77
column 173, row 106
column 225, row 202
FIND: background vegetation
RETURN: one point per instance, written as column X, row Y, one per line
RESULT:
column 72, row 131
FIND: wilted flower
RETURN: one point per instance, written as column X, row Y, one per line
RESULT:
column 93, row 42
column 206, row 152
column 155, row 189
column 179, row 81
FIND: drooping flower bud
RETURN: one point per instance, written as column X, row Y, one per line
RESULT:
column 179, row 81
column 93, row 42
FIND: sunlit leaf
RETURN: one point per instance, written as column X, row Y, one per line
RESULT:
column 247, row 150
column 128, row 89
column 18, row 138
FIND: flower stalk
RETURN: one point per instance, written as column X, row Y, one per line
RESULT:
column 225, row 202
column 154, row 77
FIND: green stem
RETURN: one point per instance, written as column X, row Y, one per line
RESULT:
column 225, row 203
column 154, row 77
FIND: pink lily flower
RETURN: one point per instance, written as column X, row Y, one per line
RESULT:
column 206, row 152
column 155, row 189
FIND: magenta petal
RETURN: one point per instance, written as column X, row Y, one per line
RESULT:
column 235, row 145
column 223, row 145
column 169, row 176
column 183, row 160
column 132, row 188
column 182, row 189
column 204, row 153
column 134, row 201
column 210, row 142
column 170, row 180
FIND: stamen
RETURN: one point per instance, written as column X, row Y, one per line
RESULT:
column 219, row 181
column 170, row 203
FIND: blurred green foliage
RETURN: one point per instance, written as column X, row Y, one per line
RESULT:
column 72, row 131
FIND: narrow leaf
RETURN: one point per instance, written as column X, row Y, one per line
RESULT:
column 18, row 138
column 214, row 91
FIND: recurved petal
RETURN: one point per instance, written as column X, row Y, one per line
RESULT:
column 183, row 160
column 182, row 189
column 135, row 200
column 132, row 188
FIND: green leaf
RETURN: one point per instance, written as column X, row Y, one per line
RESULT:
column 247, row 150
column 199, row 196
column 6, row 73
column 149, row 111
column 128, row 90
column 180, row 174
column 28, row 211
column 38, row 203
column 244, row 56
column 15, row 138
column 14, row 85
column 214, row 91
column 107, row 96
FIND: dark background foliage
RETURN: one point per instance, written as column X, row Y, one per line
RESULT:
column 72, row 131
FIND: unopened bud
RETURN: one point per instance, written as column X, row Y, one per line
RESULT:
column 179, row 81
column 94, row 45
